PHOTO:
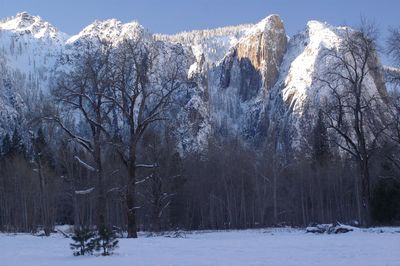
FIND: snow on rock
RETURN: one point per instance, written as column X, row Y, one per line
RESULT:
column 112, row 30
column 29, row 49
column 392, row 78
column 303, row 62
column 298, row 93
column 330, row 228
column 240, row 83
column 212, row 44
column 24, row 23
column 30, row 45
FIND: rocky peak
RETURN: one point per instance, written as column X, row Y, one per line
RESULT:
column 258, row 56
column 22, row 20
column 24, row 23
column 265, row 48
column 112, row 30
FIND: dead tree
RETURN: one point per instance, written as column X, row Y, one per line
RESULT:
column 352, row 111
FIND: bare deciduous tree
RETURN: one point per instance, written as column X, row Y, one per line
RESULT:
column 353, row 110
column 83, row 89
column 141, row 94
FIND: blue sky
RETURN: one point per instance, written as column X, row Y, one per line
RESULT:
column 170, row 16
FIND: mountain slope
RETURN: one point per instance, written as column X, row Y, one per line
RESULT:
column 251, row 80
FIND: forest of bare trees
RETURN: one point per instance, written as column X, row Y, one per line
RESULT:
column 104, row 153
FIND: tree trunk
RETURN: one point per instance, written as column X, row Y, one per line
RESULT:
column 365, row 193
column 275, row 196
column 44, row 200
column 131, row 196
column 101, row 202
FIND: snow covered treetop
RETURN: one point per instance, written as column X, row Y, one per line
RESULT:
column 24, row 23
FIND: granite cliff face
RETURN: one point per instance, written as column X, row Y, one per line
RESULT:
column 256, row 58
column 250, row 81
column 245, row 77
column 264, row 50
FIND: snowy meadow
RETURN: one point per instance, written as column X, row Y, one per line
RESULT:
column 377, row 246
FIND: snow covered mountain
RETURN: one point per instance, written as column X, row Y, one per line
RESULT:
column 29, row 48
column 252, row 80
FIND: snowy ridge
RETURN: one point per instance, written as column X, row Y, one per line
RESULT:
column 304, row 62
column 213, row 43
column 30, row 47
column 112, row 30
column 301, row 61
column 24, row 23
column 247, row 76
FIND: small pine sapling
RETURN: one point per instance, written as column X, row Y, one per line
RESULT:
column 106, row 241
column 83, row 241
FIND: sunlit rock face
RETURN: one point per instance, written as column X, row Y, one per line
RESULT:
column 239, row 90
column 264, row 49
column 235, row 69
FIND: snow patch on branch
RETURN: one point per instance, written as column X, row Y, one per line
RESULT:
column 147, row 165
column 84, row 192
column 116, row 189
column 87, row 166
column 143, row 180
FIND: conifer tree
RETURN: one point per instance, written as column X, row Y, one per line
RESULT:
column 106, row 241
column 83, row 241
column 6, row 145
column 17, row 146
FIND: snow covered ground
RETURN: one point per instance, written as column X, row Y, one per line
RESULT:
column 378, row 246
